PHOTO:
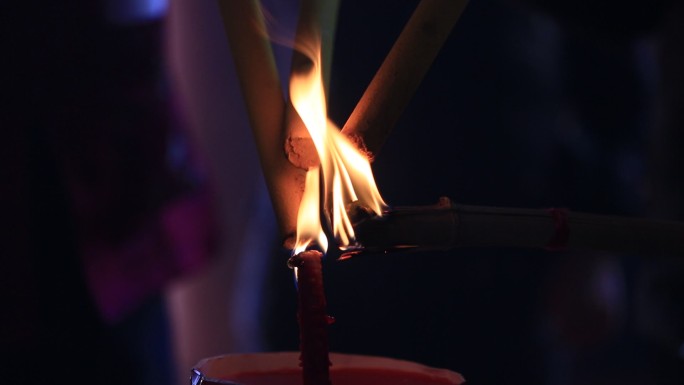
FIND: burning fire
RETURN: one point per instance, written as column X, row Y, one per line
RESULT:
column 344, row 175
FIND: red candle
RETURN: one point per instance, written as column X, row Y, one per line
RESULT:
column 313, row 320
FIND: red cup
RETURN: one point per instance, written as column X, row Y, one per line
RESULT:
column 283, row 369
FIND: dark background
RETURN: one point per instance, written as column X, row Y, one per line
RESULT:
column 530, row 104
column 561, row 104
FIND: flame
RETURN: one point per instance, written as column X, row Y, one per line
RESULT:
column 346, row 173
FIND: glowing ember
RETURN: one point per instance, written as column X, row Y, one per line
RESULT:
column 346, row 173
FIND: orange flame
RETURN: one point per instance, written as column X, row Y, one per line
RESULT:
column 346, row 173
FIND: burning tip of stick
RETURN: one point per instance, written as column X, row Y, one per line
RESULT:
column 360, row 144
column 358, row 212
column 348, row 254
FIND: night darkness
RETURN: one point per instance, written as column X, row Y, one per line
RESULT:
column 526, row 106
column 114, row 191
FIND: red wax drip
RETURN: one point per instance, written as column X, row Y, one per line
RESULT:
column 313, row 322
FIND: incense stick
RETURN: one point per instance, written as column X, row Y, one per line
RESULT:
column 313, row 320
column 447, row 226
column 401, row 73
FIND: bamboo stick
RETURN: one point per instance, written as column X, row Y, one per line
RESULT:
column 446, row 226
column 401, row 73
column 252, row 53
